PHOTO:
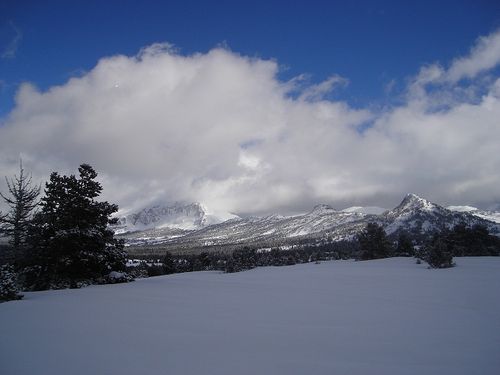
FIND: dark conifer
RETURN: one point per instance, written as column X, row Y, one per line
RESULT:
column 8, row 284
column 373, row 242
column 438, row 252
column 405, row 245
column 23, row 200
column 70, row 234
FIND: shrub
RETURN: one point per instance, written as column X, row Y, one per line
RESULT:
column 8, row 284
column 438, row 254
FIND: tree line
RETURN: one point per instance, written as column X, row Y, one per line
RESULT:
column 372, row 243
column 239, row 260
column 437, row 250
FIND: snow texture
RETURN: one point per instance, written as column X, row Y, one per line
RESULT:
column 189, row 216
column 370, row 210
column 491, row 215
column 414, row 215
column 388, row 316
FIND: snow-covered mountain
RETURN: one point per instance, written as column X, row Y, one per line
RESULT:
column 191, row 216
column 419, row 216
column 414, row 215
column 275, row 228
column 484, row 214
column 370, row 210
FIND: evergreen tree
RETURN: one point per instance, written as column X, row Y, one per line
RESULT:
column 22, row 201
column 405, row 245
column 472, row 241
column 460, row 241
column 168, row 263
column 373, row 242
column 70, row 235
column 8, row 284
column 438, row 252
column 2, row 217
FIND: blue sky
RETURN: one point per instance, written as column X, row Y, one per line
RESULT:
column 259, row 107
column 376, row 45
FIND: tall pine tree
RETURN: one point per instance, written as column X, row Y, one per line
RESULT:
column 23, row 200
column 373, row 242
column 70, row 236
column 405, row 245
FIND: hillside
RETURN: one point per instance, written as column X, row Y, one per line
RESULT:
column 414, row 215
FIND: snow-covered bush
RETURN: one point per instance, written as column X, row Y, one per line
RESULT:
column 115, row 277
column 8, row 284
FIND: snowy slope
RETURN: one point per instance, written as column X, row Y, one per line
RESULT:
column 389, row 317
column 370, row 210
column 183, row 216
column 414, row 215
column 483, row 214
column 273, row 228
column 419, row 216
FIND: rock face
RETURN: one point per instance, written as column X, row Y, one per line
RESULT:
column 192, row 216
column 414, row 215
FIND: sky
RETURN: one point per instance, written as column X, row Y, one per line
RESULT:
column 256, row 107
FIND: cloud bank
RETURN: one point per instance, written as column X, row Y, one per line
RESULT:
column 222, row 129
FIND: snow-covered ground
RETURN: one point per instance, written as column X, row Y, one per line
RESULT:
column 385, row 317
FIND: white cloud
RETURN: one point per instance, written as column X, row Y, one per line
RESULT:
column 318, row 91
column 483, row 56
column 220, row 128
column 10, row 50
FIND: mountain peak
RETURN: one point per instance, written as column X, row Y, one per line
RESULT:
column 321, row 208
column 413, row 197
column 414, row 201
column 186, row 216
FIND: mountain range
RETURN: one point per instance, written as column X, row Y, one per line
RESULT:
column 190, row 226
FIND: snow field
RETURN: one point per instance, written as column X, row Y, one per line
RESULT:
column 388, row 316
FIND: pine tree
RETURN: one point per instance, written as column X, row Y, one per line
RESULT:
column 168, row 263
column 8, row 284
column 405, row 245
column 438, row 252
column 70, row 235
column 22, row 201
column 2, row 217
column 373, row 242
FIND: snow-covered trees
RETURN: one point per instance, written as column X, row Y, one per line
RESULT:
column 22, row 201
column 70, row 239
